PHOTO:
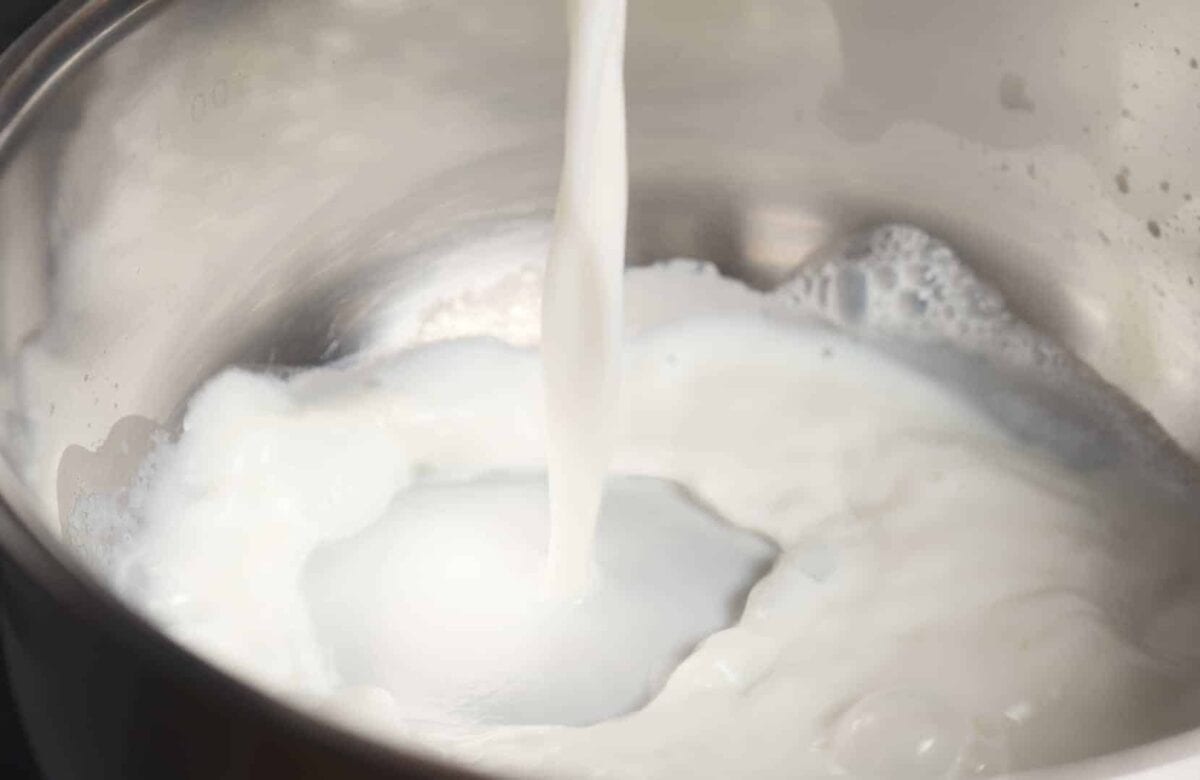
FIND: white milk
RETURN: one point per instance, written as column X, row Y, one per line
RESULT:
column 869, row 524
column 581, row 307
column 970, row 574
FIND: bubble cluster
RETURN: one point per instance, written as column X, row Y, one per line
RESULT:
column 900, row 281
column 905, row 734
column 898, row 286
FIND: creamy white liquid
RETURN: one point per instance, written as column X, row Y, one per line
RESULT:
column 972, row 575
column 581, row 307
column 993, row 570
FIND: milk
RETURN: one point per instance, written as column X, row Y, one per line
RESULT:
column 867, row 524
column 581, row 304
column 816, row 557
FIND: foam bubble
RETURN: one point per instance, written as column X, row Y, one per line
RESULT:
column 907, row 291
column 900, row 735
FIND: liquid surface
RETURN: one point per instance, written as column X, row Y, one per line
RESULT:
column 980, row 558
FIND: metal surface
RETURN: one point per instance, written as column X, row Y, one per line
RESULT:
column 189, row 184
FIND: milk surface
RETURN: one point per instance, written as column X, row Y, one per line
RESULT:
column 948, row 575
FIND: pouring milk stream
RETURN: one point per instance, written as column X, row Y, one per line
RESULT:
column 581, row 315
